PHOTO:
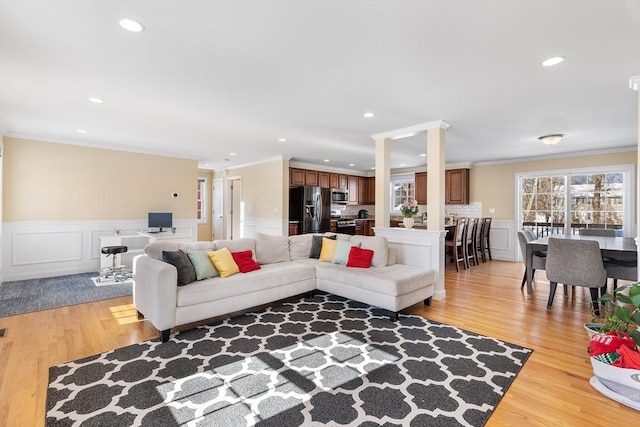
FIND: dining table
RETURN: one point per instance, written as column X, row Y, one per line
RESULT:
column 611, row 247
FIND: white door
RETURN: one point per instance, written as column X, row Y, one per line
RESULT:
column 237, row 215
column 218, row 212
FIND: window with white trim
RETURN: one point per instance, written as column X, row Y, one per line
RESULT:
column 201, row 209
column 403, row 189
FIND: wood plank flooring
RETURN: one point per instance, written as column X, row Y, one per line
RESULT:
column 551, row 390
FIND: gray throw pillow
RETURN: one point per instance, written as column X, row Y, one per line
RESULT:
column 316, row 245
column 186, row 272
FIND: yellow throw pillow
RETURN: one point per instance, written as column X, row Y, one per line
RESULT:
column 223, row 262
column 328, row 249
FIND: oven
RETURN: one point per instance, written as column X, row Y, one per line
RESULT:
column 346, row 226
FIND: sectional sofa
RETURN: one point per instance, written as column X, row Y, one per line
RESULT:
column 285, row 269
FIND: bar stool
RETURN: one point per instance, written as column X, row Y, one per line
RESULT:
column 486, row 246
column 115, row 272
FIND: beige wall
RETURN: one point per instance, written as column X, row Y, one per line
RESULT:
column 494, row 185
column 263, row 189
column 46, row 181
column 205, row 229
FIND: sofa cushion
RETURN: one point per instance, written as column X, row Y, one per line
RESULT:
column 186, row 272
column 202, row 264
column 268, row 279
column 244, row 261
column 394, row 280
column 359, row 257
column 223, row 262
column 316, row 245
column 197, row 246
column 244, row 244
column 300, row 246
column 271, row 249
column 378, row 245
column 155, row 249
column 342, row 251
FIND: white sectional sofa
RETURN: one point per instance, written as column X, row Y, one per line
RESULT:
column 285, row 270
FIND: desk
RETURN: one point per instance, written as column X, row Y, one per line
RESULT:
column 614, row 247
column 166, row 235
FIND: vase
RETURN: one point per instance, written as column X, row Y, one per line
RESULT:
column 408, row 222
column 592, row 328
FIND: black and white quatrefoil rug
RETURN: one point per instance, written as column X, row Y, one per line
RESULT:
column 320, row 361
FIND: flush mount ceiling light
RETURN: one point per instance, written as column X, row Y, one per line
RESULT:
column 551, row 139
column 96, row 100
column 423, row 155
column 282, row 140
column 368, row 115
column 81, row 131
column 553, row 61
column 131, row 25
column 352, row 164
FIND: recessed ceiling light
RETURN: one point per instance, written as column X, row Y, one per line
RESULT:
column 81, row 131
column 327, row 160
column 403, row 165
column 373, row 168
column 553, row 61
column 232, row 154
column 423, row 155
column 282, row 140
column 96, row 100
column 352, row 164
column 207, row 164
column 368, row 115
column 131, row 25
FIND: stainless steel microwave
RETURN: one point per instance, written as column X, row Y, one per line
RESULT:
column 339, row 196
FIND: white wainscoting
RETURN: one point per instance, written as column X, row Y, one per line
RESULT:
column 277, row 227
column 54, row 248
column 504, row 240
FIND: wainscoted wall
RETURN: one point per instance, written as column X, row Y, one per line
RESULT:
column 275, row 226
column 504, row 240
column 54, row 248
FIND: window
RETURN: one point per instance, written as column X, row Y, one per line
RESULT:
column 568, row 201
column 201, row 209
column 403, row 188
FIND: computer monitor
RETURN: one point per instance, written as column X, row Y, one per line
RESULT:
column 160, row 220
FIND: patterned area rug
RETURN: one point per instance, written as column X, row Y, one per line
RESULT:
column 320, row 361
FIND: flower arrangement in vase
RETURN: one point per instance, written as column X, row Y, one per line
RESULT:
column 409, row 209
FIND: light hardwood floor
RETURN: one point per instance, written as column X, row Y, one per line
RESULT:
column 551, row 390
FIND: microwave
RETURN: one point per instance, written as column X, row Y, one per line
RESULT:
column 339, row 196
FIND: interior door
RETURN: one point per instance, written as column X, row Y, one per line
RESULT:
column 217, row 210
column 237, row 215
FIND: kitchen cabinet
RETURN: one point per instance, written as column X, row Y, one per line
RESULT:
column 353, row 190
column 457, row 187
column 360, row 227
column 396, row 224
column 293, row 228
column 296, row 177
column 371, row 188
column 323, row 179
column 343, row 181
column 333, row 226
column 421, row 188
column 334, row 180
column 363, row 191
column 311, row 178
column 368, row 228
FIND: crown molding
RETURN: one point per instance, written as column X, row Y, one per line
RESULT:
column 411, row 130
column 558, row 156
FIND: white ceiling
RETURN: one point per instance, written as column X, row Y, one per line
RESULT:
column 209, row 78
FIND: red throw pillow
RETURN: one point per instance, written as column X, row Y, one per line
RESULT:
column 359, row 257
column 245, row 261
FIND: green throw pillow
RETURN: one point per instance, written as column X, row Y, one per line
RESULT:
column 202, row 264
column 341, row 254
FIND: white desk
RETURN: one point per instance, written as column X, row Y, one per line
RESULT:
column 166, row 235
column 135, row 244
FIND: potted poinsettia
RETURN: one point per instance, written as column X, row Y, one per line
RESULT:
column 615, row 357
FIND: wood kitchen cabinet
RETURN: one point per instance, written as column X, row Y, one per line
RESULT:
column 334, row 180
column 323, row 179
column 353, row 190
column 343, row 181
column 371, row 188
column 293, row 228
column 296, row 176
column 368, row 228
column 333, row 226
column 360, row 227
column 457, row 187
column 421, row 188
column 311, row 178
column 363, row 191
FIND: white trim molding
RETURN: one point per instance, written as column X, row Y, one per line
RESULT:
column 411, row 130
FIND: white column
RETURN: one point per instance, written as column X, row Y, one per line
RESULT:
column 383, row 180
column 436, row 178
column 634, row 83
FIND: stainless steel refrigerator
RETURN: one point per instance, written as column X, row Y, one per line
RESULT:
column 311, row 207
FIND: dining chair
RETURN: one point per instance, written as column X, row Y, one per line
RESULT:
column 539, row 259
column 469, row 234
column 605, row 232
column 477, row 242
column 486, row 247
column 576, row 263
column 456, row 244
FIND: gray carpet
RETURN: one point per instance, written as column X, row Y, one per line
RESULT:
column 24, row 296
column 320, row 361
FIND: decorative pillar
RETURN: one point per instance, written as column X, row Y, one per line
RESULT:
column 634, row 83
column 436, row 177
column 383, row 182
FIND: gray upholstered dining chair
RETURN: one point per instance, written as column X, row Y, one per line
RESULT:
column 605, row 232
column 539, row 259
column 576, row 263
